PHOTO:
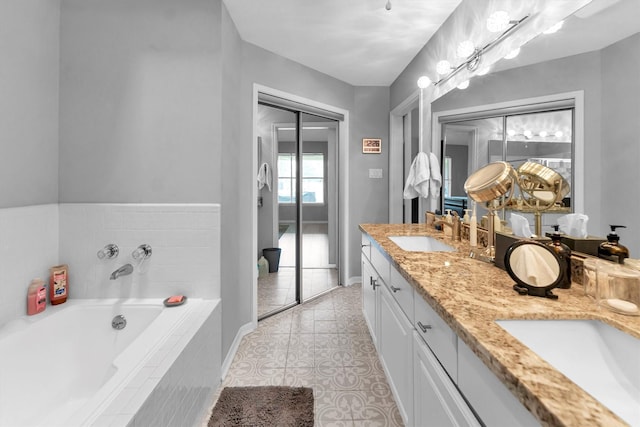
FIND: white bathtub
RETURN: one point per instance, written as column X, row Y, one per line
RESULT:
column 69, row 367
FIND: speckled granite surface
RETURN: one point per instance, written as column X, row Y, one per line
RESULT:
column 470, row 295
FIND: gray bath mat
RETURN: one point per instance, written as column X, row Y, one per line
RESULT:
column 263, row 406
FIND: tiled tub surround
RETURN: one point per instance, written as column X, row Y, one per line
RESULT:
column 151, row 372
column 185, row 239
column 470, row 295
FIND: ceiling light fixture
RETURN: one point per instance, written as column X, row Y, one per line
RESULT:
column 473, row 60
column 424, row 82
column 465, row 49
column 499, row 21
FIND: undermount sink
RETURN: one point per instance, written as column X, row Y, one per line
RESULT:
column 602, row 360
column 421, row 244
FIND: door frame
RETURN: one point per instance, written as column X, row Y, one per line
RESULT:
column 343, row 186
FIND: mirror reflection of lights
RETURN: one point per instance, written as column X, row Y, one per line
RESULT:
column 511, row 132
column 463, row 85
column 543, row 134
column 512, row 54
column 483, row 71
column 555, row 28
column 559, row 134
column 527, row 133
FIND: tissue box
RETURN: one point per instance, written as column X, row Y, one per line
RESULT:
column 503, row 241
column 588, row 245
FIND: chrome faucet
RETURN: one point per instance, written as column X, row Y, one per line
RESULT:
column 122, row 271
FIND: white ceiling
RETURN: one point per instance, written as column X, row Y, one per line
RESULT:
column 361, row 43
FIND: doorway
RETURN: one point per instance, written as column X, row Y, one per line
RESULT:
column 297, row 218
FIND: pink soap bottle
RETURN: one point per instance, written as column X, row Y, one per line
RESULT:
column 36, row 297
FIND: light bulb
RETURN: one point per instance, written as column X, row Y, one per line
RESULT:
column 465, row 49
column 543, row 133
column 527, row 133
column 463, row 85
column 554, row 29
column 424, row 82
column 559, row 134
column 511, row 132
column 498, row 21
column 443, row 67
column 512, row 54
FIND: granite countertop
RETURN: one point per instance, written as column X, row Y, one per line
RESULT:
column 470, row 295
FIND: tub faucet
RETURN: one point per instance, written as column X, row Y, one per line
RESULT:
column 122, row 271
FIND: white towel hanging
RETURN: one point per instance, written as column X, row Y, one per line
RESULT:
column 417, row 184
column 435, row 179
column 264, row 177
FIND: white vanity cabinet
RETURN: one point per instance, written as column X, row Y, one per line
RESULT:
column 437, row 401
column 370, row 300
column 493, row 402
column 395, row 347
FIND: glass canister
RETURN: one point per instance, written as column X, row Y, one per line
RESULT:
column 618, row 289
column 590, row 276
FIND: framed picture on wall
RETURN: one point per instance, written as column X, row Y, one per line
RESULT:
column 371, row 146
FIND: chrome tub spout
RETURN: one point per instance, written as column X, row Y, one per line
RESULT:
column 122, row 271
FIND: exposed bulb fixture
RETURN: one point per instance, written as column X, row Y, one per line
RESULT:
column 559, row 134
column 554, row 29
column 527, row 134
column 465, row 49
column 499, row 21
column 511, row 132
column 443, row 67
column 543, row 133
column 512, row 54
column 388, row 5
column 424, row 82
column 463, row 85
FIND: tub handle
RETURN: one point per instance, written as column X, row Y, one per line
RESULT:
column 109, row 251
column 142, row 252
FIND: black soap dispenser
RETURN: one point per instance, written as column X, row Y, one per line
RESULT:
column 611, row 249
column 564, row 253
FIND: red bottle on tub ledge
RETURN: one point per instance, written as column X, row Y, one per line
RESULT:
column 36, row 297
column 59, row 284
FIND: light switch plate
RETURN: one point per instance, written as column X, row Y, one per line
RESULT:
column 375, row 173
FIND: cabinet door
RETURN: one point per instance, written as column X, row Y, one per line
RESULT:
column 491, row 399
column 437, row 401
column 370, row 286
column 396, row 351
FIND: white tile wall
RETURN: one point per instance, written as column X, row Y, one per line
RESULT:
column 185, row 241
column 28, row 247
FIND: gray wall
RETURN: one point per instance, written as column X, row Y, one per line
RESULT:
column 620, row 139
column 140, row 107
column 29, row 102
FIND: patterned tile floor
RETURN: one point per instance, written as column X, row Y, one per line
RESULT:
column 322, row 344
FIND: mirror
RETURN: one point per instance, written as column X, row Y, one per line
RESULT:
column 596, row 154
column 535, row 268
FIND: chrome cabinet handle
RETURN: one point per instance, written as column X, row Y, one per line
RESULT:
column 366, row 245
column 394, row 289
column 424, row 327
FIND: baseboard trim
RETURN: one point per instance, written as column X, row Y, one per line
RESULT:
column 244, row 330
column 354, row 280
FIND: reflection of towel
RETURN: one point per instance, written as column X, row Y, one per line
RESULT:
column 418, row 178
column 264, row 177
column 435, row 180
column 534, row 265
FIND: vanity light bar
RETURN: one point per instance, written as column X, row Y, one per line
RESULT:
column 472, row 62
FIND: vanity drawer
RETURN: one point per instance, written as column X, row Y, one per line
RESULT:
column 366, row 246
column 402, row 292
column 381, row 264
column 437, row 334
